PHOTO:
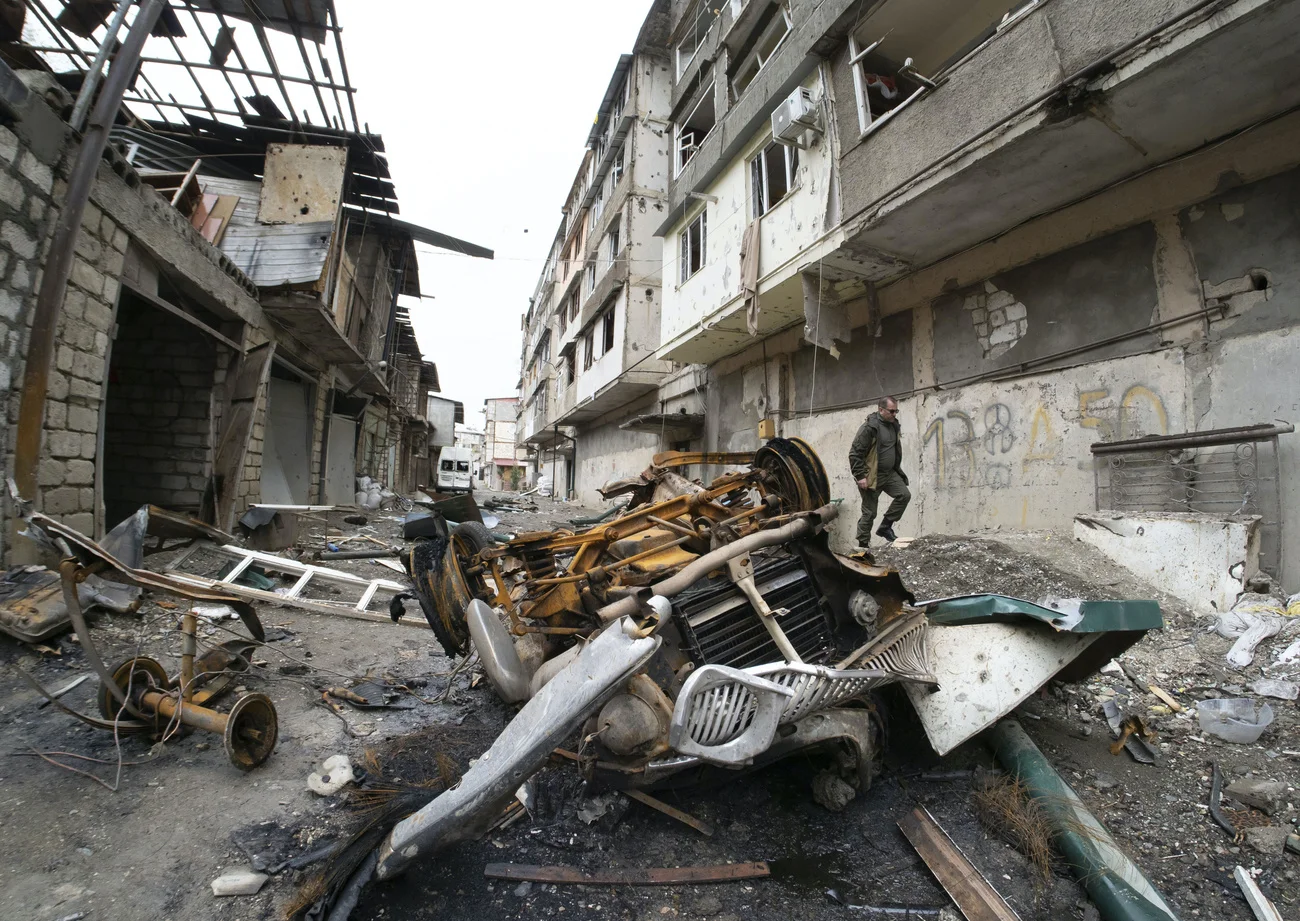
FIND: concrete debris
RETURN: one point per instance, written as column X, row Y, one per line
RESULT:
column 1269, row 840
column 331, row 776
column 832, row 792
column 1275, row 687
column 1260, row 905
column 238, row 882
column 1265, row 795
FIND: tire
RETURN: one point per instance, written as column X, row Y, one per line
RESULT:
column 453, row 589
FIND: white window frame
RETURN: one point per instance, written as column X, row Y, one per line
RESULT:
column 755, row 57
column 701, row 11
column 680, row 135
column 867, row 123
column 590, row 280
column 758, row 176
column 689, row 232
column 615, row 241
column 608, row 332
column 616, row 168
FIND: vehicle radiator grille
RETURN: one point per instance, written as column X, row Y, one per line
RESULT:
column 721, row 627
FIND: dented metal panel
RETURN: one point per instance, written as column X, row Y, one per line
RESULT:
column 272, row 255
column 302, row 184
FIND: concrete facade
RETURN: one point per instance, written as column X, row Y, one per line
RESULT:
column 594, row 322
column 1072, row 236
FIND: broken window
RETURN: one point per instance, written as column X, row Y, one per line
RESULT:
column 773, row 174
column 702, row 21
column 573, row 307
column 448, row 465
column 879, row 85
column 692, row 130
column 616, row 170
column 764, row 47
column 588, row 349
column 570, row 368
column 614, row 243
column 693, row 246
column 607, row 332
column 591, row 277
column 564, row 320
column 462, row 466
column 598, row 203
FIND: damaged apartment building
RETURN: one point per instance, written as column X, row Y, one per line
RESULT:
column 227, row 329
column 1042, row 226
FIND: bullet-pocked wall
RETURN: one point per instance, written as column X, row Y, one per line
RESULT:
column 1087, row 329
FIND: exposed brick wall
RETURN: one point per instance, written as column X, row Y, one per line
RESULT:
column 159, row 428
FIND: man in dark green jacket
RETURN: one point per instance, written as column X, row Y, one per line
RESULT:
column 876, row 461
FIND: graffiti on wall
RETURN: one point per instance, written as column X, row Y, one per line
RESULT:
column 1001, row 443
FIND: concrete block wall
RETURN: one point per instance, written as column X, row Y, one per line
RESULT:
column 26, row 195
column 158, row 424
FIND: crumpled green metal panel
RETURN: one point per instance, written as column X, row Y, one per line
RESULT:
column 1081, row 617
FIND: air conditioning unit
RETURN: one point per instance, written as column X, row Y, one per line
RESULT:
column 795, row 116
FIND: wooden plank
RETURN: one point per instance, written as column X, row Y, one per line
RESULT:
column 976, row 898
column 221, row 213
column 629, row 876
column 1167, row 698
column 237, row 427
column 672, row 812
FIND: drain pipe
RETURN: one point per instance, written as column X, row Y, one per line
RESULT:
column 58, row 264
column 1114, row 883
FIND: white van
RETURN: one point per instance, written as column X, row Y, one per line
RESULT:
column 455, row 470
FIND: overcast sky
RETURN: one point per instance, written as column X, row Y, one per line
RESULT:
column 484, row 110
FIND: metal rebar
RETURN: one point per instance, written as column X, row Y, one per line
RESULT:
column 96, row 69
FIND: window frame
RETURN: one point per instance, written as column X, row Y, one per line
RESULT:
column 701, row 11
column 687, row 233
column 756, row 60
column 588, row 348
column 867, row 123
column 759, row 177
column 607, row 332
column 589, row 279
column 615, row 241
column 617, row 167
column 680, row 129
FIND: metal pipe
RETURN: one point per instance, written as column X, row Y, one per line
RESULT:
column 58, row 263
column 96, row 69
column 1195, row 439
column 165, row 705
column 189, row 647
column 1114, row 883
column 692, row 573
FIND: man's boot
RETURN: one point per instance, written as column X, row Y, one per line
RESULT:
column 886, row 530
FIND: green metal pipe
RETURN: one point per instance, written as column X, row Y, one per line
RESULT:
column 1114, row 883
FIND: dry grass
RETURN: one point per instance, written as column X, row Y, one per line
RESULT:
column 1006, row 809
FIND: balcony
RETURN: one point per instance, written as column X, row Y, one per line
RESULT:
column 1003, row 139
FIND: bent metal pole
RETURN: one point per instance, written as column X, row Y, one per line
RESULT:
column 58, row 265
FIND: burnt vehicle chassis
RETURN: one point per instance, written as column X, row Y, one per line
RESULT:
column 704, row 626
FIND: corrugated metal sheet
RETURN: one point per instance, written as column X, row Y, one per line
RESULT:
column 270, row 254
column 309, row 18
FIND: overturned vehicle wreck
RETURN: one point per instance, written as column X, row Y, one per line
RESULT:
column 705, row 625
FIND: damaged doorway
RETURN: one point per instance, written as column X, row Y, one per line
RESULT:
column 158, row 426
column 286, row 455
